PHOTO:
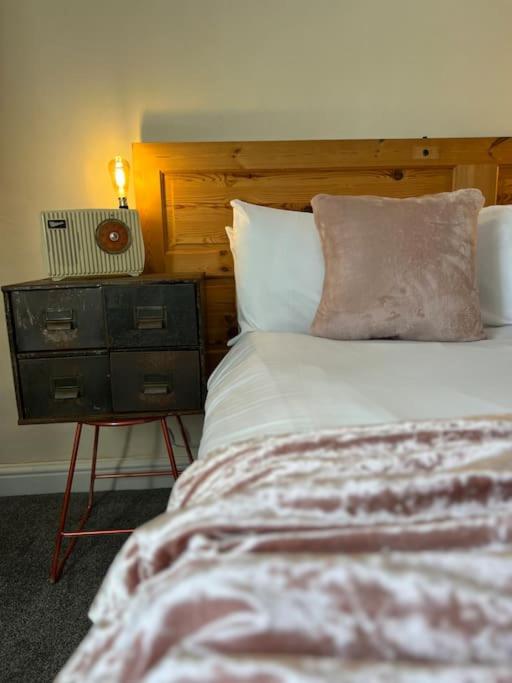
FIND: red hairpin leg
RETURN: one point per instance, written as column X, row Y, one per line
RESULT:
column 185, row 439
column 56, row 568
column 93, row 467
column 57, row 564
column 168, row 445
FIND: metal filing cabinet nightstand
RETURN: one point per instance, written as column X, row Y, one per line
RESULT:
column 106, row 352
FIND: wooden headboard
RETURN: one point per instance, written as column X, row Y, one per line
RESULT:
column 183, row 191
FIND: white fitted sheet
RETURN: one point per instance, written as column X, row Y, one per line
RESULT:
column 275, row 383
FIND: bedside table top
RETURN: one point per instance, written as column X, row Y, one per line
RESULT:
column 94, row 281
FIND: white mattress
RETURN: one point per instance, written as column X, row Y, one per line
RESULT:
column 274, row 383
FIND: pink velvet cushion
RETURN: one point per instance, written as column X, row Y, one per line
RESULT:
column 402, row 268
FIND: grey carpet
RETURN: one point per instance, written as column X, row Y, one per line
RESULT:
column 40, row 623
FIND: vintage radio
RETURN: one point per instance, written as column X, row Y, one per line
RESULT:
column 83, row 242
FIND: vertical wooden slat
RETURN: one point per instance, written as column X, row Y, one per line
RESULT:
column 150, row 198
column 505, row 185
column 221, row 311
column 482, row 176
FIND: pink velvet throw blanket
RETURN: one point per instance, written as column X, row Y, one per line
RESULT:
column 375, row 554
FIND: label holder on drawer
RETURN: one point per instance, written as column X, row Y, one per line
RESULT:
column 65, row 388
column 150, row 317
column 156, row 385
column 58, row 319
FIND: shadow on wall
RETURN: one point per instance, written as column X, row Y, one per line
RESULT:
column 398, row 118
column 187, row 126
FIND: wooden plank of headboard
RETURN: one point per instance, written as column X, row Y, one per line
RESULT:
column 183, row 190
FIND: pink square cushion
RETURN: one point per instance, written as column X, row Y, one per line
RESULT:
column 399, row 268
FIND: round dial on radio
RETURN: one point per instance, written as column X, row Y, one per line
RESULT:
column 113, row 236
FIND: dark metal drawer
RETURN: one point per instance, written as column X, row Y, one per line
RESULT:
column 145, row 381
column 152, row 315
column 65, row 387
column 53, row 319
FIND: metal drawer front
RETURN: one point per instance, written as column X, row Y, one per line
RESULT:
column 145, row 381
column 65, row 387
column 53, row 319
column 151, row 315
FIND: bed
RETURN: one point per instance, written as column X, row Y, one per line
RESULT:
column 350, row 514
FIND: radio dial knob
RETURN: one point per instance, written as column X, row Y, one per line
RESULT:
column 113, row 236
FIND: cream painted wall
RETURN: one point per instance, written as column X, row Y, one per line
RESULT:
column 80, row 81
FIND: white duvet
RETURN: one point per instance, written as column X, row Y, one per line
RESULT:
column 276, row 383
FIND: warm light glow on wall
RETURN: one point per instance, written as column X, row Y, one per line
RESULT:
column 119, row 170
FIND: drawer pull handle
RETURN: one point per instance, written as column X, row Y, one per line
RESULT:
column 155, row 386
column 58, row 320
column 65, row 388
column 150, row 317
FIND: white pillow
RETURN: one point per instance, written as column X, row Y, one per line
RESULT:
column 494, row 263
column 279, row 268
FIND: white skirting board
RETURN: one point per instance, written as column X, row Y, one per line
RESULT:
column 139, row 448
column 35, row 478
